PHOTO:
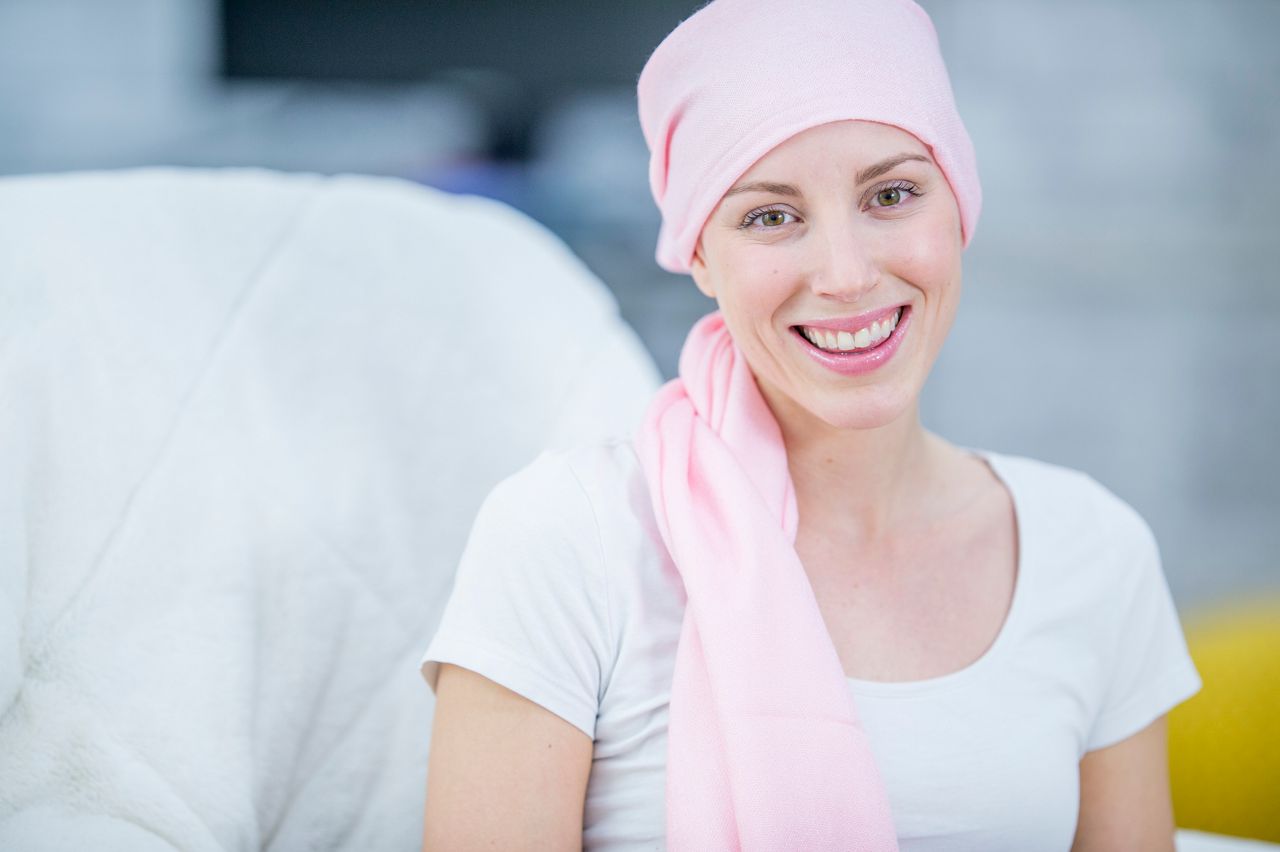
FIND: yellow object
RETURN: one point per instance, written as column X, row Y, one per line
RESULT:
column 1224, row 742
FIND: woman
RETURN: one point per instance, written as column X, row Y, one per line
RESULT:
column 786, row 616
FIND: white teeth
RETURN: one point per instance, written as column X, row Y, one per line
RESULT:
column 845, row 341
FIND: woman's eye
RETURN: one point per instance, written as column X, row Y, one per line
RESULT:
column 894, row 194
column 888, row 197
column 767, row 218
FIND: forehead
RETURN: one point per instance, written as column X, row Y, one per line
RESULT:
column 839, row 144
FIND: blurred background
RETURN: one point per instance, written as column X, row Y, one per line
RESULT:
column 1121, row 313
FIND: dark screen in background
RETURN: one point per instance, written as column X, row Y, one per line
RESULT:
column 547, row 43
column 512, row 57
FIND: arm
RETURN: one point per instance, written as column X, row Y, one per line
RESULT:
column 1124, row 795
column 504, row 772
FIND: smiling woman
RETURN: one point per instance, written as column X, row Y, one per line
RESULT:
column 840, row 227
column 784, row 615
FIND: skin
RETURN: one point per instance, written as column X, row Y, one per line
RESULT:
column 807, row 241
column 503, row 773
column 506, row 773
column 835, row 251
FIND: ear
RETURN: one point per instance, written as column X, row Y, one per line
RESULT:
column 698, row 269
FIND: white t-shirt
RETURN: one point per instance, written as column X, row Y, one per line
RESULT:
column 566, row 595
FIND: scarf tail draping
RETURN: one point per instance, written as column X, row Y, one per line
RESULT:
column 764, row 747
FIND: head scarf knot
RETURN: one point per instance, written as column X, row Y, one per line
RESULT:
column 765, row 751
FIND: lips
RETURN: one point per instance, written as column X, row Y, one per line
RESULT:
column 866, row 337
column 856, row 360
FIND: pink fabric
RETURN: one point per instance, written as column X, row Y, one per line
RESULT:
column 741, row 76
column 765, row 751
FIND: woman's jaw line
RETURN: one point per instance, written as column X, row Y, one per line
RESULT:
column 805, row 429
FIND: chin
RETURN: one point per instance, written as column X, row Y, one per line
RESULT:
column 870, row 409
column 863, row 418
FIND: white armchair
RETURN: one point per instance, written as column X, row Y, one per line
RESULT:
column 245, row 421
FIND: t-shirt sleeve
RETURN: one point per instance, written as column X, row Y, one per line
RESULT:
column 1151, row 670
column 528, row 609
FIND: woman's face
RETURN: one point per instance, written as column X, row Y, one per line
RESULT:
column 840, row 225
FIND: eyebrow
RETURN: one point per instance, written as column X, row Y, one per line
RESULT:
column 872, row 172
column 869, row 173
column 764, row 186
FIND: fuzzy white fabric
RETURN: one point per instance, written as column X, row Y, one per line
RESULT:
column 246, row 420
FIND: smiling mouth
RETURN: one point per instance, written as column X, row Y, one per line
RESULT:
column 851, row 342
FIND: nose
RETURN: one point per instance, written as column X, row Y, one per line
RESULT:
column 845, row 266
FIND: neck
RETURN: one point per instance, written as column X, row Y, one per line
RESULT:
column 871, row 482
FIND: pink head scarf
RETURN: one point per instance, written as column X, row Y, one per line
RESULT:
column 741, row 76
column 765, row 750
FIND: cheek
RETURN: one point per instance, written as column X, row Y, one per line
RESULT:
column 752, row 291
column 933, row 264
column 934, row 268
column 750, row 301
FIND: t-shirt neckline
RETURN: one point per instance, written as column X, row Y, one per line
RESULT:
column 998, row 646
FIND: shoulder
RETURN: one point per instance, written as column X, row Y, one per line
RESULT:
column 573, row 491
column 531, row 606
column 1095, row 574
column 584, row 473
column 1072, row 506
column 568, row 473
